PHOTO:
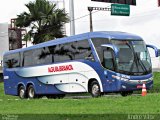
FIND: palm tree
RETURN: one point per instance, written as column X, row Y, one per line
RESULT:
column 44, row 19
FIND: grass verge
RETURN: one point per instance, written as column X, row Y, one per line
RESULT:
column 103, row 108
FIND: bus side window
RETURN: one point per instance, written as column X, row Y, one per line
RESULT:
column 38, row 56
column 28, row 58
column 97, row 44
column 108, row 60
column 62, row 53
column 12, row 61
column 82, row 49
column 42, row 56
column 51, row 50
column 47, row 55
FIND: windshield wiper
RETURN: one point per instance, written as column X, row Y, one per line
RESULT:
column 141, row 63
column 135, row 61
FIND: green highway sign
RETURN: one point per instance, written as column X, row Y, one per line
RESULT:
column 120, row 9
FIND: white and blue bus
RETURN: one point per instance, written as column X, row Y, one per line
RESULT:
column 94, row 62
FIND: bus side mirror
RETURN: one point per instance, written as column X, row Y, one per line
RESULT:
column 113, row 47
column 157, row 51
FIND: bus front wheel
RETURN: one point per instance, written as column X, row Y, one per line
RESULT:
column 95, row 89
column 22, row 92
column 31, row 92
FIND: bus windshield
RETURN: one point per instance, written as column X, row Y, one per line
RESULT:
column 133, row 57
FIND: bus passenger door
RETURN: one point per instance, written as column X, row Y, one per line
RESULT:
column 109, row 64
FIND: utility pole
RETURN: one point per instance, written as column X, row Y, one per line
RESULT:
column 72, row 23
column 90, row 9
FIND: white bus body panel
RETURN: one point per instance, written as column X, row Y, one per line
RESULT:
column 71, row 80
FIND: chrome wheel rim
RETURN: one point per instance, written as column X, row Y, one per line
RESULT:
column 95, row 89
column 21, row 94
column 31, row 93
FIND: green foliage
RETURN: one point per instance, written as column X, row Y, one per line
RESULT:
column 44, row 19
column 156, row 83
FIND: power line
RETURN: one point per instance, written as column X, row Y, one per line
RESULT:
column 83, row 16
column 86, row 15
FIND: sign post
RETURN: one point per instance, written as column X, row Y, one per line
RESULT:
column 90, row 9
column 120, row 9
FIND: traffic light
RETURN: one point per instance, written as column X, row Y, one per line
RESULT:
column 129, row 2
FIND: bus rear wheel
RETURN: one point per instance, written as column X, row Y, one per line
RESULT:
column 95, row 89
column 22, row 92
column 31, row 92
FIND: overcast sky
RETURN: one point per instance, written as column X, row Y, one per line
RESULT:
column 143, row 20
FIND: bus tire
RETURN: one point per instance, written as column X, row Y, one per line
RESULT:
column 95, row 89
column 31, row 92
column 22, row 92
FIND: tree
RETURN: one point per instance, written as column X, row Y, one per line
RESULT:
column 44, row 20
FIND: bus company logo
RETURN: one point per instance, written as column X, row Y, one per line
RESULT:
column 60, row 68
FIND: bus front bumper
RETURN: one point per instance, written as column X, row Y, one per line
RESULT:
column 130, row 86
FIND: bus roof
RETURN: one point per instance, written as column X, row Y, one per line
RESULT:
column 100, row 34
